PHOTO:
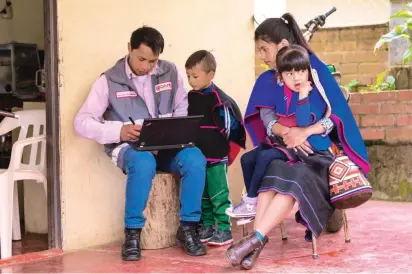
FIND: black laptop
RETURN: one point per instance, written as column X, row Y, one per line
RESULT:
column 168, row 133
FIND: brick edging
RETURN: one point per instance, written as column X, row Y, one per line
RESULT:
column 385, row 116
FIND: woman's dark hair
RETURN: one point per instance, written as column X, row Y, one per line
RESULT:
column 274, row 30
column 293, row 57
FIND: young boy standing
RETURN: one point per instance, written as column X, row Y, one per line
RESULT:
column 221, row 136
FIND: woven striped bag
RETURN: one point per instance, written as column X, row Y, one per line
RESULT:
column 347, row 184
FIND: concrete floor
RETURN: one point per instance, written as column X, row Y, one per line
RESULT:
column 381, row 234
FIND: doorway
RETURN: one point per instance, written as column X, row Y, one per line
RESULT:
column 30, row 29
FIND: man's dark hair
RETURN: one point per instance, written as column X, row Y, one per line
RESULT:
column 150, row 37
column 203, row 57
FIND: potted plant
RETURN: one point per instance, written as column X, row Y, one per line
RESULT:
column 402, row 74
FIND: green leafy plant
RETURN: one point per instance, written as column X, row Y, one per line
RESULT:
column 388, row 84
column 383, row 82
column 352, row 84
column 402, row 31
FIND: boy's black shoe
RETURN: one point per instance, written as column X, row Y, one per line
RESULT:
column 221, row 237
column 189, row 240
column 205, row 233
column 131, row 245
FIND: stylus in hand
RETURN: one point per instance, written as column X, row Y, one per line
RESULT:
column 130, row 132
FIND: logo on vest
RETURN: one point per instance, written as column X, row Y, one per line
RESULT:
column 163, row 87
column 125, row 94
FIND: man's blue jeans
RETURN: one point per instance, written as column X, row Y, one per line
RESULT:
column 140, row 168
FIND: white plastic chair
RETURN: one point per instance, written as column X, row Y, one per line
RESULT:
column 34, row 170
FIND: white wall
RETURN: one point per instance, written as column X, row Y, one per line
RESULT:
column 269, row 8
column 349, row 12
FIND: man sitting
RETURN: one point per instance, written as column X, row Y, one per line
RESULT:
column 141, row 86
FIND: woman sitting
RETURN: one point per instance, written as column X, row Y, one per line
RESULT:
column 305, row 179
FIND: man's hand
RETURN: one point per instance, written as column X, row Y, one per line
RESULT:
column 130, row 132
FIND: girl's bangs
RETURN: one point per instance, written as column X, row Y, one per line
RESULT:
column 292, row 60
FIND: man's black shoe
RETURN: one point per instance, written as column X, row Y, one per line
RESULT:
column 189, row 240
column 131, row 245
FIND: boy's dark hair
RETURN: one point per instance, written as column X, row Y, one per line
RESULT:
column 150, row 37
column 274, row 30
column 293, row 57
column 203, row 57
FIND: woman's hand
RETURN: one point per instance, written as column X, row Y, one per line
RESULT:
column 279, row 130
column 296, row 138
column 284, row 131
column 305, row 148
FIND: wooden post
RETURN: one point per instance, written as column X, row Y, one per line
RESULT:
column 162, row 213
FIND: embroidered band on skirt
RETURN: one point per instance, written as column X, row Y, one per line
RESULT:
column 307, row 182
